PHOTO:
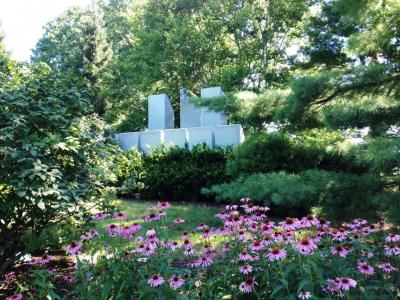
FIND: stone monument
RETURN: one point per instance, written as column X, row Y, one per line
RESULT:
column 160, row 112
column 199, row 125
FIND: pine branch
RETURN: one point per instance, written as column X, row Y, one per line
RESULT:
column 321, row 102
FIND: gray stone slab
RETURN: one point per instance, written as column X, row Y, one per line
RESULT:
column 189, row 113
column 160, row 112
column 209, row 117
column 176, row 137
column 127, row 140
column 150, row 139
column 200, row 135
column 228, row 135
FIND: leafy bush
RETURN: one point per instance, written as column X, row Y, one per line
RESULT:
column 54, row 161
column 129, row 172
column 331, row 192
column 263, row 152
column 179, row 173
column 171, row 172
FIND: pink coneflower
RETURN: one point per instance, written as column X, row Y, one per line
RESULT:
column 165, row 244
column 248, row 285
column 112, row 229
column 244, row 256
column 246, row 269
column 266, row 229
column 331, row 286
column 253, row 228
column 367, row 254
column 245, row 200
column 152, row 217
column 162, row 213
column 321, row 231
column 192, row 263
column 392, row 237
column 89, row 234
column 139, row 239
column 15, row 297
column 277, row 236
column 346, row 283
column 178, row 221
column 391, row 249
column 309, row 221
column 155, row 280
column 231, row 207
column 201, row 226
column 242, row 236
column 148, row 250
column 176, row 282
column 126, row 232
column 204, row 261
column 339, row 250
column 150, row 232
column 45, row 259
column 267, row 240
column 206, row 233
column 387, row 267
column 74, row 247
column 222, row 215
column 256, row 246
column 140, row 248
column 323, row 223
column 164, row 204
column 290, row 224
column 188, row 251
column 51, row 270
column 208, row 250
column 365, row 269
column 135, row 227
column 233, row 221
column 264, row 208
column 304, row 295
column 221, row 230
column 100, row 217
column 10, row 276
column 174, row 245
column 339, row 234
column 305, row 245
column 276, row 254
column 184, row 235
column 151, row 239
column 250, row 208
column 187, row 244
column 120, row 215
column 68, row 278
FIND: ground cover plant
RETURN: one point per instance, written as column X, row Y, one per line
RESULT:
column 241, row 255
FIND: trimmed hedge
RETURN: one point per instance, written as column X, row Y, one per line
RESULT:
column 173, row 173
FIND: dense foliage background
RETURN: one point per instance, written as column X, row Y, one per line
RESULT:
column 314, row 83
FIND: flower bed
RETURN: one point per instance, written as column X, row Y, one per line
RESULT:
column 247, row 257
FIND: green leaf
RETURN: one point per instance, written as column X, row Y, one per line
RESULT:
column 302, row 284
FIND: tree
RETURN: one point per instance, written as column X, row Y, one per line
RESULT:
column 75, row 46
column 192, row 44
column 354, row 90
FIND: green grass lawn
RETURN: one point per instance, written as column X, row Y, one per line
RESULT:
column 192, row 213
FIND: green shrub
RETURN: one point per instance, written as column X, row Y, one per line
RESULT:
column 172, row 173
column 263, row 152
column 179, row 173
column 55, row 162
column 129, row 172
column 338, row 195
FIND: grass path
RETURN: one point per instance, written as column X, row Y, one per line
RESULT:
column 192, row 213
